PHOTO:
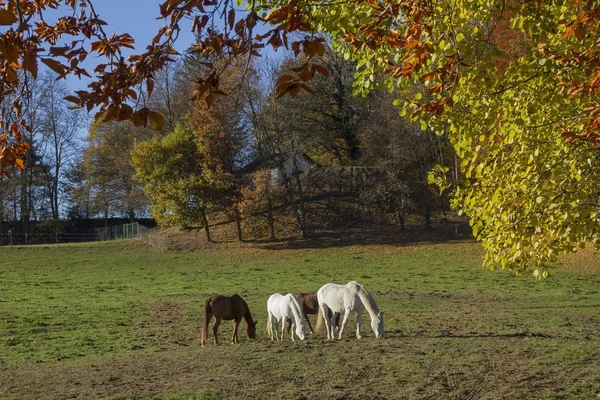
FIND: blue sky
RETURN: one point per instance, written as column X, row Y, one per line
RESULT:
column 138, row 18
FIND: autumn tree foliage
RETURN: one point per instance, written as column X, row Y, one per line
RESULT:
column 259, row 200
column 524, row 125
column 122, row 85
column 179, row 180
column 221, row 123
column 520, row 117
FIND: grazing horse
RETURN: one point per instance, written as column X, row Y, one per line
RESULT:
column 227, row 308
column 346, row 299
column 279, row 308
column 310, row 305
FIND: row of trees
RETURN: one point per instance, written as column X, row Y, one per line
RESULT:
column 313, row 161
column 41, row 188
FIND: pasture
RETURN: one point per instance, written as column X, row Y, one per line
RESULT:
column 122, row 320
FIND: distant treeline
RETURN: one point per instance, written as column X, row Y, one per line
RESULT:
column 273, row 167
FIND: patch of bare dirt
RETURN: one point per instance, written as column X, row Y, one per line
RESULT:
column 587, row 259
column 168, row 326
column 394, row 367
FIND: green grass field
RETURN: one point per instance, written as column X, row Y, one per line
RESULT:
column 121, row 320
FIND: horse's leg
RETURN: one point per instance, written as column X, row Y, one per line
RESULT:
column 344, row 322
column 234, row 330
column 216, row 328
column 207, row 319
column 276, row 328
column 292, row 329
column 272, row 325
column 335, row 323
column 334, row 328
column 237, row 331
column 283, row 319
column 236, row 324
column 325, row 311
column 308, row 322
column 358, row 317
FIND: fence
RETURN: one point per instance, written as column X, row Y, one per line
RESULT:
column 18, row 239
column 127, row 231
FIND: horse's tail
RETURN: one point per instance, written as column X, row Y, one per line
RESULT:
column 320, row 327
column 269, row 326
column 205, row 320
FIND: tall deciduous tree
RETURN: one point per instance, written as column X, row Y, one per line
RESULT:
column 107, row 163
column 222, row 127
column 59, row 128
column 181, row 184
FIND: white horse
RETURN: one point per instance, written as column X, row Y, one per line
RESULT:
column 345, row 299
column 280, row 307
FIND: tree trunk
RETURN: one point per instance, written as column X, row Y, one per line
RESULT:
column 302, row 205
column 345, row 117
column 205, row 224
column 15, row 204
column 443, row 208
column 290, row 190
column 24, row 200
column 55, row 201
column 131, row 215
column 238, row 223
column 401, row 216
column 271, row 223
column 426, row 208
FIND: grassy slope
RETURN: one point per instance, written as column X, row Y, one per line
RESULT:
column 121, row 320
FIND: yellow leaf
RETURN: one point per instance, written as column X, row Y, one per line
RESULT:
column 157, row 121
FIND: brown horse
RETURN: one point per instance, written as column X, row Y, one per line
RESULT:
column 310, row 305
column 227, row 308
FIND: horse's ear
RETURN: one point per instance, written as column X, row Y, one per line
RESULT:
column 380, row 314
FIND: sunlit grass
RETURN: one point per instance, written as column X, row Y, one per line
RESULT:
column 449, row 323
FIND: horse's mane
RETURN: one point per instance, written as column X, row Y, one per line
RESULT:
column 367, row 299
column 296, row 310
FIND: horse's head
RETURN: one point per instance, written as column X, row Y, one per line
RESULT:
column 301, row 330
column 251, row 329
column 377, row 325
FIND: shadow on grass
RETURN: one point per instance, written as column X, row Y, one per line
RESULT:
column 471, row 335
column 382, row 235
